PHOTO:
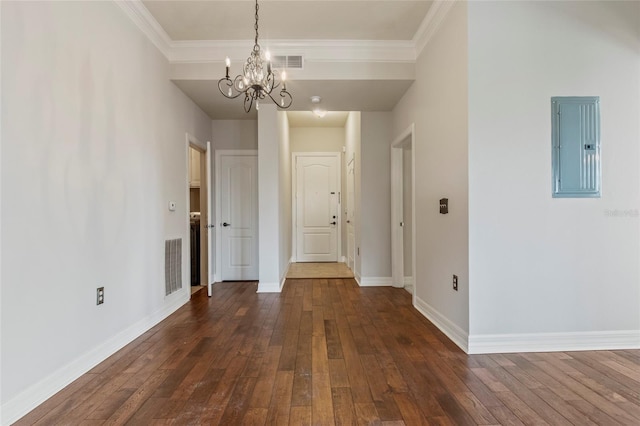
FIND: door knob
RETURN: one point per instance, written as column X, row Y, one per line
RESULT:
column 226, row 224
column 348, row 221
column 332, row 223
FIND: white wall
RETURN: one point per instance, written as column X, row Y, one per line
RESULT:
column 539, row 264
column 285, row 194
column 352, row 133
column 437, row 104
column 268, row 198
column 234, row 134
column 94, row 132
column 317, row 139
column 375, row 248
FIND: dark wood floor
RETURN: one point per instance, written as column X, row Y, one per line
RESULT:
column 328, row 352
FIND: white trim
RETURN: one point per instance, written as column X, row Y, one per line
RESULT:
column 409, row 288
column 375, row 282
column 357, row 277
column 269, row 287
column 408, row 281
column 36, row 394
column 218, row 154
column 343, row 259
column 207, row 51
column 294, row 206
column 283, row 278
column 431, row 23
column 451, row 330
column 142, row 18
column 397, row 206
column 554, row 342
column 211, row 229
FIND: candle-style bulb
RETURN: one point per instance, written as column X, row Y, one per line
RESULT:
column 283, row 75
column 227, row 61
column 267, row 55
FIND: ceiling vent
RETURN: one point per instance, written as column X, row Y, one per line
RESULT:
column 288, row 62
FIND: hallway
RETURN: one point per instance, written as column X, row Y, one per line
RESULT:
column 328, row 351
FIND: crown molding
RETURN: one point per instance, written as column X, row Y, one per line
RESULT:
column 143, row 19
column 431, row 23
column 312, row 50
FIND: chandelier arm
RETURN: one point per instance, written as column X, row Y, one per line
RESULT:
column 229, row 85
column 285, row 99
column 248, row 102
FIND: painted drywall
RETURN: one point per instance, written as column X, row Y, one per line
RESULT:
column 234, row 134
column 437, row 104
column 407, row 202
column 284, row 194
column 375, row 202
column 352, row 138
column 317, row 139
column 538, row 264
column 94, row 130
column 324, row 139
column 268, row 198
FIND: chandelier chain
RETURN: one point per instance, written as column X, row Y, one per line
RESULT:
column 256, row 25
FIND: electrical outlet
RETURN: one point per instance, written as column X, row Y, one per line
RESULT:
column 455, row 282
column 100, row 296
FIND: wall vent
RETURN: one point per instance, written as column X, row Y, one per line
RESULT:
column 288, row 62
column 172, row 265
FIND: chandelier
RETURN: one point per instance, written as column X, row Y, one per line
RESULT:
column 255, row 82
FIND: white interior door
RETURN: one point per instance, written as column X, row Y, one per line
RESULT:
column 317, row 213
column 238, row 218
column 351, row 204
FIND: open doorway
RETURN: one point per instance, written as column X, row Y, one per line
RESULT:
column 402, row 210
column 199, row 212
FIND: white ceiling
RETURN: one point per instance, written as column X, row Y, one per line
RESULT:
column 337, row 95
column 289, row 20
column 309, row 119
column 356, row 51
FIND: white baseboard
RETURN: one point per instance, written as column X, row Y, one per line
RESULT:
column 357, row 277
column 343, row 259
column 408, row 281
column 453, row 331
column 554, row 342
column 273, row 287
column 408, row 288
column 283, row 278
column 375, row 281
column 36, row 394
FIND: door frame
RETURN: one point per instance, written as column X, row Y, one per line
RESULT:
column 206, row 260
column 294, row 207
column 352, row 160
column 218, row 154
column 403, row 140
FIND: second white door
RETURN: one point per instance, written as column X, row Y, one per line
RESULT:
column 317, row 211
column 238, row 214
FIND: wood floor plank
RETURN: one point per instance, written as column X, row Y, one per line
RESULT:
column 327, row 351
